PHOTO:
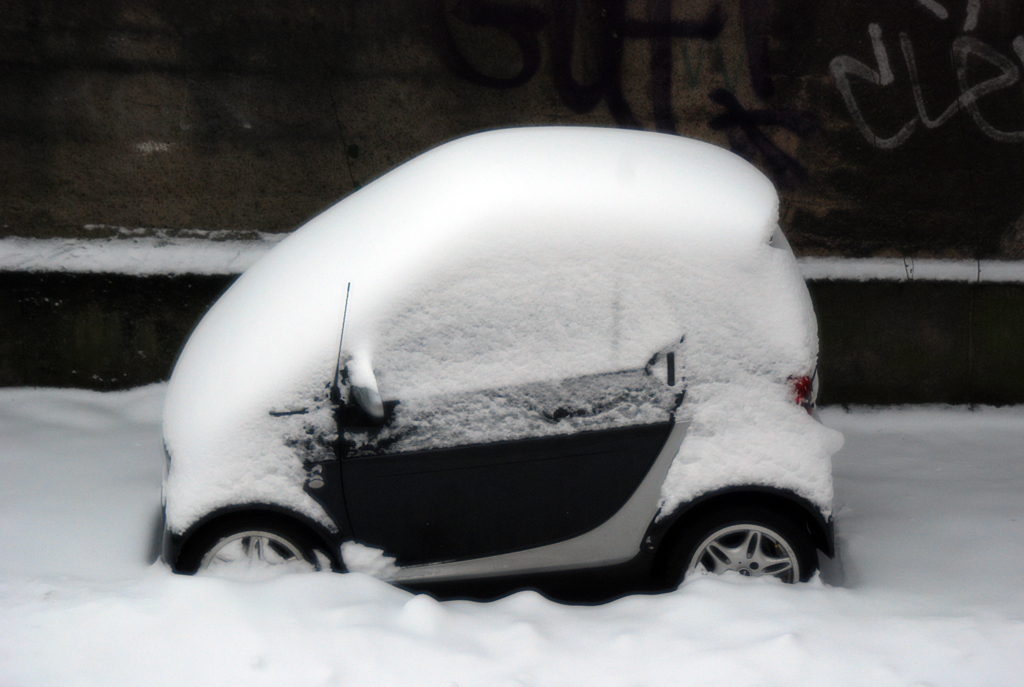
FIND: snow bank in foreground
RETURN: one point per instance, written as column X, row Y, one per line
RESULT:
column 325, row 629
column 80, row 487
column 927, row 500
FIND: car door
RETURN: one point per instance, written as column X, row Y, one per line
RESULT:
column 521, row 409
column 554, row 461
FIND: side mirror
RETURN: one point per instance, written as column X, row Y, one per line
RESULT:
column 364, row 387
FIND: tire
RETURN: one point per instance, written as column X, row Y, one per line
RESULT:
column 753, row 541
column 251, row 543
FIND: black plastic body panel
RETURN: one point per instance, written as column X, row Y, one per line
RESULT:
column 583, row 586
column 474, row 501
column 822, row 528
column 173, row 543
column 330, row 496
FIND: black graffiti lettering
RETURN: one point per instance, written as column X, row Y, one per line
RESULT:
column 659, row 12
column 521, row 24
column 707, row 29
column 743, row 128
column 610, row 28
column 660, row 30
column 615, row 28
column 756, row 20
column 607, row 47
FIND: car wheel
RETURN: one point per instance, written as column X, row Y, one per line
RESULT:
column 754, row 542
column 251, row 545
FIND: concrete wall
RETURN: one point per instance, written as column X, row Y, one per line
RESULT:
column 920, row 342
column 892, row 128
column 881, row 342
column 97, row 331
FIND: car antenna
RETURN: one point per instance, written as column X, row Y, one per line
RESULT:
column 335, row 388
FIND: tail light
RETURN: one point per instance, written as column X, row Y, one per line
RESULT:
column 804, row 391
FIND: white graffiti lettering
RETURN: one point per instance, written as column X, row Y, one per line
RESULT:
column 935, row 8
column 843, row 67
column 971, row 22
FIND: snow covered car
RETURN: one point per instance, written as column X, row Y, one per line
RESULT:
column 526, row 352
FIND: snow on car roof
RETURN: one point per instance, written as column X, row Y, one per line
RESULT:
column 602, row 184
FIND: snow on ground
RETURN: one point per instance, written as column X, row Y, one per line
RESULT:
column 929, row 591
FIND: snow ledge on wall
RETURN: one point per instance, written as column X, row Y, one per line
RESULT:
column 911, row 269
column 145, row 256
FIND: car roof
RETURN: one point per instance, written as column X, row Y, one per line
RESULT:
column 274, row 332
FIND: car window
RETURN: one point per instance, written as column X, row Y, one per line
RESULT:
column 517, row 340
column 628, row 398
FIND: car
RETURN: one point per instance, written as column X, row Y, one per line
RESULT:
column 527, row 355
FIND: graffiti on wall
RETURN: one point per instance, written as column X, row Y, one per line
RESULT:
column 962, row 49
column 746, row 128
